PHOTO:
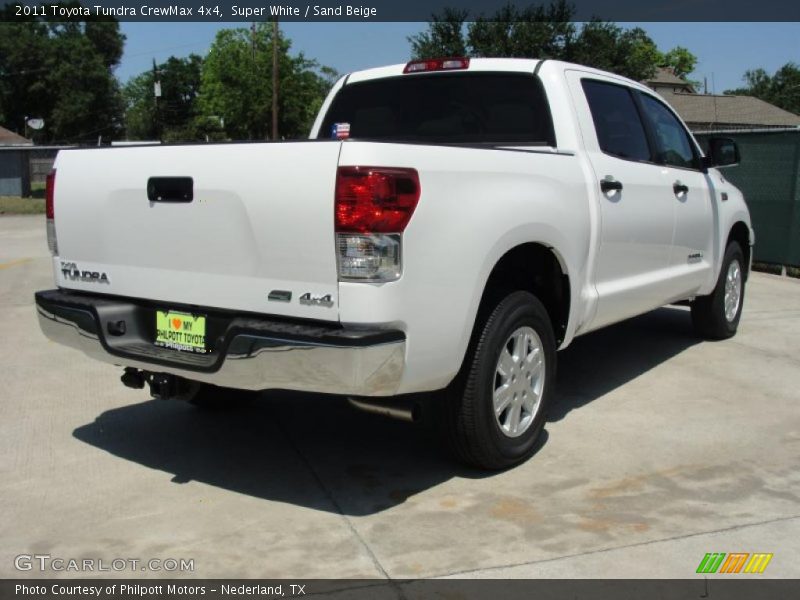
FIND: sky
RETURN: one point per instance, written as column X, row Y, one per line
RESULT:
column 724, row 50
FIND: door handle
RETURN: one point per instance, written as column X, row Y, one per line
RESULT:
column 610, row 185
column 680, row 188
column 170, row 189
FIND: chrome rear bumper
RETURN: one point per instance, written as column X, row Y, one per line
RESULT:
column 251, row 353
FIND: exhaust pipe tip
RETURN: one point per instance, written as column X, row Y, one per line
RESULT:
column 410, row 412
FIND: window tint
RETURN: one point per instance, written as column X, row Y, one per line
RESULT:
column 616, row 120
column 674, row 146
column 462, row 107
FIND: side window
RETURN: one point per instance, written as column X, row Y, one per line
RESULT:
column 616, row 120
column 675, row 148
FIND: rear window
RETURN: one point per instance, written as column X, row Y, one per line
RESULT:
column 445, row 108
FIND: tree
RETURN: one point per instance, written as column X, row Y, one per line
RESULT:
column 781, row 89
column 85, row 95
column 680, row 60
column 23, row 88
column 547, row 31
column 543, row 31
column 62, row 72
column 175, row 116
column 237, row 88
column 540, row 31
column 444, row 38
column 628, row 52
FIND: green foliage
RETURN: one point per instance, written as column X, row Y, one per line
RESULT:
column 444, row 38
column 541, row 31
column 547, row 31
column 680, row 60
column 628, row 52
column 173, row 116
column 63, row 73
column 237, row 85
column 781, row 89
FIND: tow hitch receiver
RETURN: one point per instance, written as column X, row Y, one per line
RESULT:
column 162, row 385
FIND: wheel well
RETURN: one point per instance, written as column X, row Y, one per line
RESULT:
column 534, row 268
column 741, row 233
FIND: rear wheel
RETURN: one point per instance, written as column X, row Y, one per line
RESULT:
column 717, row 315
column 496, row 408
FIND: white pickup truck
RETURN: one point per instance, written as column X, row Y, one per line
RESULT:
column 449, row 225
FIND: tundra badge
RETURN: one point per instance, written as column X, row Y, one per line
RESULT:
column 71, row 271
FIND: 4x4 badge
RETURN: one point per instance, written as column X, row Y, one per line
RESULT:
column 310, row 300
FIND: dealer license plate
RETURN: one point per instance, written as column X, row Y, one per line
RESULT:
column 180, row 331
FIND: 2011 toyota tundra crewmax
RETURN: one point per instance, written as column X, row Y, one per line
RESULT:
column 449, row 225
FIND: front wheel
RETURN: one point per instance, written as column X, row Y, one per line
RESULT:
column 717, row 315
column 496, row 408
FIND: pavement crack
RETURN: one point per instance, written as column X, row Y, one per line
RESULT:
column 622, row 547
column 764, row 351
column 332, row 499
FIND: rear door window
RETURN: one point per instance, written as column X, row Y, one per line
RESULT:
column 619, row 127
column 446, row 108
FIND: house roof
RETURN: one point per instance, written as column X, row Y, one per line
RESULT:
column 665, row 77
column 736, row 111
column 9, row 138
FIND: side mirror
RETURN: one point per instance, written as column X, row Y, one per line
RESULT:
column 722, row 152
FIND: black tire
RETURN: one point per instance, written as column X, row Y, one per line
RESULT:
column 467, row 415
column 708, row 312
column 205, row 396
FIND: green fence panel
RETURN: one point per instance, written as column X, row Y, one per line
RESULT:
column 769, row 177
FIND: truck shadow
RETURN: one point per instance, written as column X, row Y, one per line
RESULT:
column 601, row 361
column 315, row 451
column 304, row 449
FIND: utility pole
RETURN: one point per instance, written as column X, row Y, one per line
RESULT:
column 156, row 96
column 275, row 33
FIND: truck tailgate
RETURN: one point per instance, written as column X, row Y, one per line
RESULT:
column 260, row 222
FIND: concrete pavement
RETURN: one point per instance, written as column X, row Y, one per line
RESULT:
column 661, row 448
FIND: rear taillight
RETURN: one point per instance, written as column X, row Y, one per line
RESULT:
column 372, row 209
column 49, row 189
column 375, row 199
column 436, row 64
column 49, row 192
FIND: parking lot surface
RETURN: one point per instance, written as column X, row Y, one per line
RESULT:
column 660, row 448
